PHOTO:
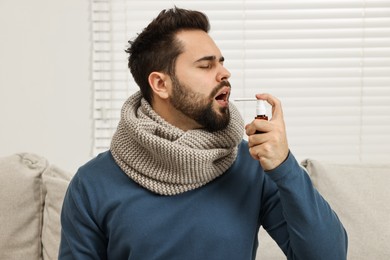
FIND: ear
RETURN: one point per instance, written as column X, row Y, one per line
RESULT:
column 157, row 82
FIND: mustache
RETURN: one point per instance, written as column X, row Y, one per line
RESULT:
column 223, row 83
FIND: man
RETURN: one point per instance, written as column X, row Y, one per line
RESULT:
column 179, row 182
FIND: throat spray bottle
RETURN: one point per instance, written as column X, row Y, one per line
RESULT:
column 261, row 112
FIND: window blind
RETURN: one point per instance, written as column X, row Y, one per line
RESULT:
column 328, row 61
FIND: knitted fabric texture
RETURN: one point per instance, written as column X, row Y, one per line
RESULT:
column 167, row 160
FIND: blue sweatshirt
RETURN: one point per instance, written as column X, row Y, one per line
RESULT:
column 106, row 215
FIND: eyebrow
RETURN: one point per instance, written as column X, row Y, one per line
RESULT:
column 210, row 58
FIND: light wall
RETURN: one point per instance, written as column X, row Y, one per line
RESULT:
column 45, row 85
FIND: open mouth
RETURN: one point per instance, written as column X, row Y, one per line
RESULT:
column 223, row 96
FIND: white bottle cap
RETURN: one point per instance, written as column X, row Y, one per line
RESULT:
column 260, row 108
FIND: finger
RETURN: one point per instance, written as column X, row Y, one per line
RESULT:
column 260, row 152
column 277, row 111
column 260, row 126
column 258, row 142
column 254, row 153
column 250, row 129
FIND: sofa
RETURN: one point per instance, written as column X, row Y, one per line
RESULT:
column 32, row 191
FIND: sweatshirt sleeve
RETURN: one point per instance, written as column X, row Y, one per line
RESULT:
column 299, row 219
column 81, row 237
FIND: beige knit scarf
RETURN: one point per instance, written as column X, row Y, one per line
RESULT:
column 167, row 160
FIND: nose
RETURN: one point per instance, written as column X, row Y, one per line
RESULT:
column 223, row 74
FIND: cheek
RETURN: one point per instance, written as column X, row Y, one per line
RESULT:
column 198, row 85
column 199, row 81
column 203, row 84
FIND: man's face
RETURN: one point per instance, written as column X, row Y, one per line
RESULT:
column 200, row 89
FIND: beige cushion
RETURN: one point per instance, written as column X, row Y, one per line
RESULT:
column 21, row 206
column 360, row 196
column 55, row 183
column 31, row 193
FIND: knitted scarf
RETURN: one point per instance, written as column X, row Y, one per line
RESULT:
column 167, row 160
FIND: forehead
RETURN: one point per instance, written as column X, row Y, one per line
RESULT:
column 197, row 44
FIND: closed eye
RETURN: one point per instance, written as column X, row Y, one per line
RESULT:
column 210, row 61
column 208, row 66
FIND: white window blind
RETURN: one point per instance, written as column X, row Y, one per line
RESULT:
column 328, row 62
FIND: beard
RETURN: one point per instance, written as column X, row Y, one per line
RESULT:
column 199, row 107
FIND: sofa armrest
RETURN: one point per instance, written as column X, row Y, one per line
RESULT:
column 31, row 193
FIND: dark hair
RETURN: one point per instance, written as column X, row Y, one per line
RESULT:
column 156, row 47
